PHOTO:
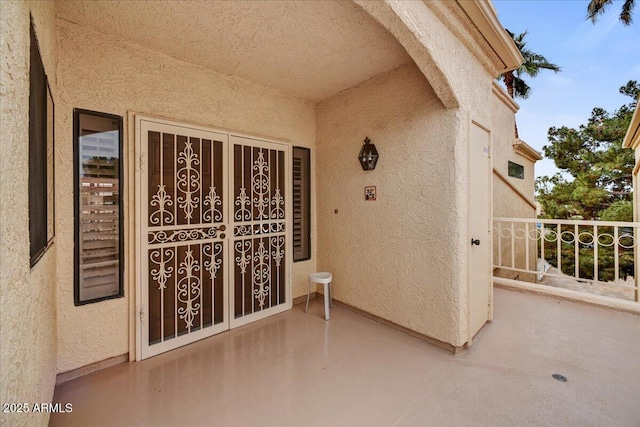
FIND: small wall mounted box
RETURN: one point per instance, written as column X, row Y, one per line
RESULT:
column 370, row 194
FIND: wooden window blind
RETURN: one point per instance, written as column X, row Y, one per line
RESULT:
column 98, row 203
column 301, row 204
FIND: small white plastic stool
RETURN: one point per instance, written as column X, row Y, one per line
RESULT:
column 325, row 279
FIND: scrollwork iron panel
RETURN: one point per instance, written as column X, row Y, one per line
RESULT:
column 258, row 229
column 259, row 249
column 258, row 184
column 192, row 185
column 185, row 211
column 166, row 236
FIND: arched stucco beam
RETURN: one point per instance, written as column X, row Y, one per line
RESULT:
column 421, row 43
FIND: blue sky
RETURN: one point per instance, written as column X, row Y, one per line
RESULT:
column 595, row 59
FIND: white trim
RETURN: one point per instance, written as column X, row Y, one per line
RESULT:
column 570, row 222
column 632, row 137
column 468, row 236
column 504, row 97
column 138, row 274
column 130, row 236
column 484, row 16
column 525, row 150
column 569, row 295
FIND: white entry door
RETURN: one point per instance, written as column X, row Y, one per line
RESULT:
column 212, row 232
column 480, row 289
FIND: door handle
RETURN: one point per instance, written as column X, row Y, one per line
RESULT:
column 475, row 242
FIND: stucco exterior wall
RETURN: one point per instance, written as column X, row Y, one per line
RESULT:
column 440, row 38
column 510, row 204
column 391, row 257
column 507, row 203
column 27, row 295
column 102, row 73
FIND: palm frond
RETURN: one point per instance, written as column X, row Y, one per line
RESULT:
column 533, row 63
column 627, row 9
column 596, row 8
column 531, row 66
column 520, row 88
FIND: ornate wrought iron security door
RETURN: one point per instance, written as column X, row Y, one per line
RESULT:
column 260, row 248
column 212, row 224
column 182, row 200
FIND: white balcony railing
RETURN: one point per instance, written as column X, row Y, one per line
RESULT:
column 591, row 256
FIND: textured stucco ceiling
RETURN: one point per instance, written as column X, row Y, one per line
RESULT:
column 308, row 49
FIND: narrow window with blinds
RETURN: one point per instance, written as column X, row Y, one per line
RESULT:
column 301, row 204
column 98, row 206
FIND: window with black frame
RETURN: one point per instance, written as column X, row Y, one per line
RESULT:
column 98, row 206
column 516, row 170
column 41, row 152
column 301, row 204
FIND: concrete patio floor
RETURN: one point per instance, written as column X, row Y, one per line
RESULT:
column 296, row 369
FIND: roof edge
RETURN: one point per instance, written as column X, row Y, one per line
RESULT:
column 503, row 96
column 632, row 137
column 527, row 151
column 483, row 15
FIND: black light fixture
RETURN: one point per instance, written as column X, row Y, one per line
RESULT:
column 368, row 155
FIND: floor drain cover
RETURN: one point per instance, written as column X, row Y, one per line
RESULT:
column 560, row 377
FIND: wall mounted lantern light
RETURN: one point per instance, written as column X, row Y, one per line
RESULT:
column 368, row 155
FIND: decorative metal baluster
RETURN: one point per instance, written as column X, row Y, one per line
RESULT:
column 636, row 264
column 559, row 247
column 499, row 244
column 526, row 244
column 513, row 245
column 616, row 253
column 542, row 239
column 596, row 241
column 576, row 241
